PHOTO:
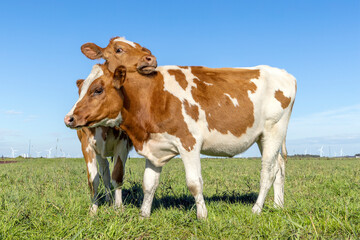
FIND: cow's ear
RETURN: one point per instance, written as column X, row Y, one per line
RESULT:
column 119, row 76
column 92, row 51
column 79, row 84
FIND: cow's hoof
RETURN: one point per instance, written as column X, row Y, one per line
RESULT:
column 119, row 208
column 201, row 214
column 256, row 209
column 144, row 216
column 93, row 210
column 278, row 206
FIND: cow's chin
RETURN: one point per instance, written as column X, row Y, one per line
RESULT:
column 88, row 125
column 146, row 69
column 106, row 122
column 79, row 126
column 76, row 127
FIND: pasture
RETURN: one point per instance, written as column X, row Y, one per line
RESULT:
column 49, row 199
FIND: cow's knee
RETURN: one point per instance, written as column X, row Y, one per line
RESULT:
column 195, row 187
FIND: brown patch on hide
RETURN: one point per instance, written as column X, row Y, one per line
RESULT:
column 221, row 114
column 118, row 172
column 179, row 77
column 191, row 110
column 285, row 101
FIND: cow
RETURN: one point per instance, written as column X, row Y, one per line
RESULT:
column 97, row 144
column 101, row 142
column 192, row 111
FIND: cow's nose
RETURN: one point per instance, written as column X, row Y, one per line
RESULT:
column 148, row 58
column 69, row 120
column 151, row 60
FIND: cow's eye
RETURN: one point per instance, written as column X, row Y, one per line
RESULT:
column 119, row 50
column 98, row 91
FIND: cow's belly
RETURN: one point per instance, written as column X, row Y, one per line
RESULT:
column 227, row 145
column 160, row 148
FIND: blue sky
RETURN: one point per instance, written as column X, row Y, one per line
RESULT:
column 316, row 41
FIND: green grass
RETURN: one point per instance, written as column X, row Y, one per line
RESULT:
column 49, row 199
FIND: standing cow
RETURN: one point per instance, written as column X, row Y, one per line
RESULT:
column 101, row 142
column 192, row 110
column 97, row 144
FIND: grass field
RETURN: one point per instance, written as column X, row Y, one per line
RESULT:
column 49, row 199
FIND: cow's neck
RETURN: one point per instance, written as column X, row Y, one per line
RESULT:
column 141, row 95
column 150, row 110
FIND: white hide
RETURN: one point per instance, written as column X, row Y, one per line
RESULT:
column 92, row 168
column 122, row 39
column 234, row 100
column 95, row 73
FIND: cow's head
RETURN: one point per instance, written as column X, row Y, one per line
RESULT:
column 100, row 101
column 122, row 52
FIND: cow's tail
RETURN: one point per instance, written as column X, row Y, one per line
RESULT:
column 283, row 150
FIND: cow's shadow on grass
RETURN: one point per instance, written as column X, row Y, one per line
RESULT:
column 134, row 196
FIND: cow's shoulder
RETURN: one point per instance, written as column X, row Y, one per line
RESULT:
column 158, row 110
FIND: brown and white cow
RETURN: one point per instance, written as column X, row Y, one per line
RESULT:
column 97, row 144
column 101, row 142
column 192, row 110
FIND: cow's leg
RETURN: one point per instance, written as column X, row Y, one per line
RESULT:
column 279, row 182
column 279, row 178
column 117, row 176
column 105, row 174
column 150, row 183
column 93, row 179
column 267, row 177
column 91, row 167
column 270, row 143
column 194, row 181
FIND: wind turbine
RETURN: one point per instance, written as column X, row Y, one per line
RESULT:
column 49, row 152
column 321, row 150
column 57, row 141
column 63, row 153
column 305, row 152
column 13, row 151
column 341, row 152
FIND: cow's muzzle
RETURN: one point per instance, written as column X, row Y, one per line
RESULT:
column 69, row 121
column 147, row 64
